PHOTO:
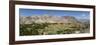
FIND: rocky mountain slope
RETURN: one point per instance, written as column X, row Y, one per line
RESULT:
column 49, row 25
column 46, row 19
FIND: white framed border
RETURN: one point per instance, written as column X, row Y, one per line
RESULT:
column 39, row 37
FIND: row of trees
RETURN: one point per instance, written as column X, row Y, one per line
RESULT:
column 49, row 29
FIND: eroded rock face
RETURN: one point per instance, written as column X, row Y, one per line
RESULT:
column 46, row 19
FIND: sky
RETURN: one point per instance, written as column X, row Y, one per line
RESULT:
column 39, row 12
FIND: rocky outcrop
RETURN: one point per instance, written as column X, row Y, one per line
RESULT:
column 47, row 19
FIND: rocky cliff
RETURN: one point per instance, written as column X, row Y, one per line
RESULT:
column 47, row 19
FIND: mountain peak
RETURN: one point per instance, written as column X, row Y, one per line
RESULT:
column 46, row 19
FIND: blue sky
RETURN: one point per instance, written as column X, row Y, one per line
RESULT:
column 77, row 14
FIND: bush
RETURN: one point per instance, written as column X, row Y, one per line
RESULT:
column 50, row 28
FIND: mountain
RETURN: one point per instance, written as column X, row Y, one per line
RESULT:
column 85, row 21
column 47, row 19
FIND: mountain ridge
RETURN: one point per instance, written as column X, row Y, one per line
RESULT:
column 47, row 19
